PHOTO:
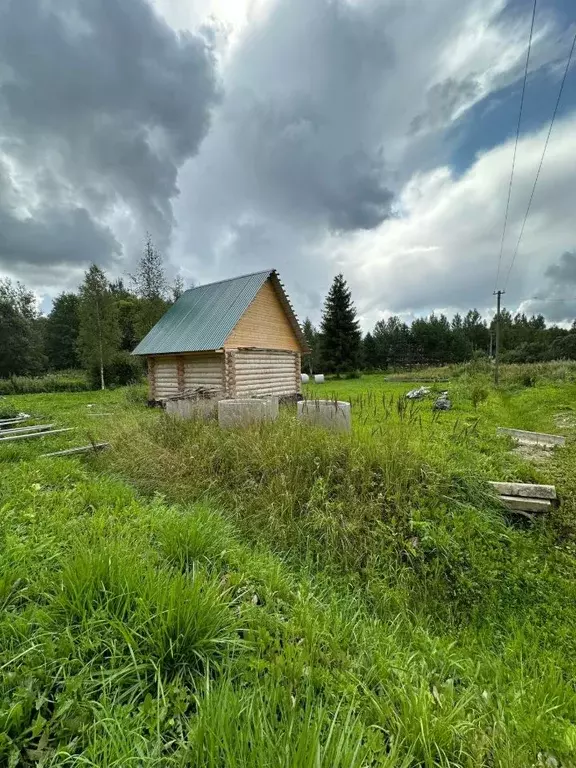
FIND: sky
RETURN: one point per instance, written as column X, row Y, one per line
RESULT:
column 369, row 137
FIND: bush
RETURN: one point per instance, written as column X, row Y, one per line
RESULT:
column 63, row 381
column 123, row 370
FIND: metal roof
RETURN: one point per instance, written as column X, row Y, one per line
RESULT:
column 204, row 317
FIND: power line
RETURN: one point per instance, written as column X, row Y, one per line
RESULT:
column 516, row 145
column 542, row 158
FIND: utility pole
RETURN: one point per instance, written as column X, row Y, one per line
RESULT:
column 499, row 295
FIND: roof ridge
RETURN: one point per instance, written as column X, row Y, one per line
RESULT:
column 230, row 279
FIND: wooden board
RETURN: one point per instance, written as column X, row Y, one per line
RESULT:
column 34, row 434
column 72, row 451
column 525, row 490
column 265, row 324
column 538, row 438
column 17, row 420
column 23, row 430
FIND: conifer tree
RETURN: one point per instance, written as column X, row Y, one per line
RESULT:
column 341, row 337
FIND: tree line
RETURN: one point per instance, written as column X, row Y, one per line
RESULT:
column 339, row 347
column 98, row 326
column 94, row 328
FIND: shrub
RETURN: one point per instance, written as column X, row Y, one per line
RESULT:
column 123, row 370
column 62, row 381
column 478, row 395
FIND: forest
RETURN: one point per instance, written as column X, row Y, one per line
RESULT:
column 96, row 328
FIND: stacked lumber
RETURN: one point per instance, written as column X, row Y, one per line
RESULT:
column 527, row 498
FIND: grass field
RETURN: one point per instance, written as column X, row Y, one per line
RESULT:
column 288, row 597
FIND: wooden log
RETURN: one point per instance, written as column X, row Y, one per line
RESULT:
column 521, row 504
column 82, row 449
column 538, row 438
column 525, row 490
column 22, row 430
column 35, row 434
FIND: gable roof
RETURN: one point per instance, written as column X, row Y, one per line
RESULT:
column 204, row 317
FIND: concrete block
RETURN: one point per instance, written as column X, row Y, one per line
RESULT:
column 201, row 409
column 538, row 438
column 326, row 413
column 319, row 378
column 244, row 413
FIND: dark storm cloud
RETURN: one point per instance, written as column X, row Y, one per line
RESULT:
column 100, row 103
column 564, row 271
column 299, row 137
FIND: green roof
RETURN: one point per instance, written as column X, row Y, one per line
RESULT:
column 204, row 317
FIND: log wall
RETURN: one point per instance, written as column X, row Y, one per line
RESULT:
column 171, row 374
column 258, row 372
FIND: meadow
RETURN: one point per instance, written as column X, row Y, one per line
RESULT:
column 284, row 596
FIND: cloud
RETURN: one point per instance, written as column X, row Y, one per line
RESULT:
column 332, row 110
column 564, row 271
column 443, row 251
column 100, row 104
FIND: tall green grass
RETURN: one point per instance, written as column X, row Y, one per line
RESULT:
column 284, row 596
column 62, row 381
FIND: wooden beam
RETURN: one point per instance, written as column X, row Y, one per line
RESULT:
column 525, row 490
column 7, row 422
column 534, row 438
column 22, row 430
column 35, row 434
column 83, row 449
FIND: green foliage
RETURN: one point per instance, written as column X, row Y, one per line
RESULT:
column 63, row 381
column 61, row 332
column 99, row 332
column 312, row 363
column 122, row 370
column 341, row 337
column 478, row 395
column 333, row 600
column 20, row 332
column 151, row 288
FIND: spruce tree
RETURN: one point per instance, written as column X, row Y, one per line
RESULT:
column 369, row 352
column 99, row 332
column 61, row 332
column 341, row 337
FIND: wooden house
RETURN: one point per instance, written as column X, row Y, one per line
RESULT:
column 239, row 337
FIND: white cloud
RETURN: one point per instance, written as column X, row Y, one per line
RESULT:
column 443, row 250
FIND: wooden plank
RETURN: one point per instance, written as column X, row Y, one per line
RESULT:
column 525, row 490
column 538, row 438
column 35, row 434
column 22, row 430
column 520, row 504
column 82, row 449
column 17, row 420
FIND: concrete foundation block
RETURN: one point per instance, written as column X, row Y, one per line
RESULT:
column 330, row 414
column 245, row 413
column 201, row 410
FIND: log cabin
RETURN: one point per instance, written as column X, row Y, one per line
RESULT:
column 238, row 337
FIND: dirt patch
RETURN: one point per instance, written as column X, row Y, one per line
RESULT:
column 566, row 420
column 538, row 454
